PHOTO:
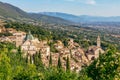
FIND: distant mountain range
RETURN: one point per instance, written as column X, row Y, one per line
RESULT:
column 82, row 18
column 10, row 11
column 49, row 19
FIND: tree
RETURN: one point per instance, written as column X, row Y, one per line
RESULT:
column 27, row 73
column 56, row 74
column 20, row 52
column 39, row 56
column 27, row 61
column 59, row 63
column 65, row 42
column 106, row 67
column 83, row 75
column 36, row 59
column 31, row 59
column 50, row 60
column 68, row 64
column 5, row 67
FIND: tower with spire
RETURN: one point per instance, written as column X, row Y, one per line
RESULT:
column 98, row 41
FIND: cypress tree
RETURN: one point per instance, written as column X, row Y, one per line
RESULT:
column 20, row 52
column 59, row 63
column 31, row 58
column 39, row 56
column 34, row 58
column 50, row 60
column 71, row 54
column 27, row 59
column 68, row 64
column 40, row 60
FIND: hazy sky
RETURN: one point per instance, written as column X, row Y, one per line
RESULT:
column 77, row 7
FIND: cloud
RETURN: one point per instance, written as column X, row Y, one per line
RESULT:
column 70, row 0
column 91, row 2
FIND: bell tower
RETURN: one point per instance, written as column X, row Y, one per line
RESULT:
column 98, row 41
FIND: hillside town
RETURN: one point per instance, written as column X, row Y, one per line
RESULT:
column 59, row 40
column 30, row 46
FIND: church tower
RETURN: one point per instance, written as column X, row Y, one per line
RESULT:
column 98, row 41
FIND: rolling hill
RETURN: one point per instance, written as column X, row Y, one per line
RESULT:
column 65, row 16
column 82, row 18
column 49, row 19
column 10, row 11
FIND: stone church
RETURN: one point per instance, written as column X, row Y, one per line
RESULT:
column 94, row 51
column 31, row 46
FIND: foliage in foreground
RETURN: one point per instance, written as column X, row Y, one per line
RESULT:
column 106, row 67
column 14, row 67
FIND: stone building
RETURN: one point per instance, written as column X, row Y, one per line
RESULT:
column 75, row 53
column 94, row 51
column 2, row 29
column 11, row 30
column 19, row 35
column 59, row 45
column 32, row 45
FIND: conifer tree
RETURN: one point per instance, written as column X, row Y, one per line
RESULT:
column 36, row 59
column 19, row 49
column 68, row 64
column 71, row 53
column 20, row 52
column 40, row 63
column 31, row 59
column 59, row 63
column 39, row 56
column 27, row 59
column 50, row 60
